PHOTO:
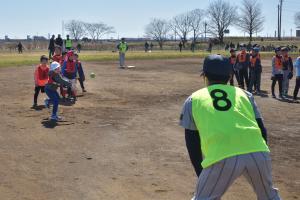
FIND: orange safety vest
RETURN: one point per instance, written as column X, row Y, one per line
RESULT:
column 278, row 62
column 242, row 56
column 41, row 75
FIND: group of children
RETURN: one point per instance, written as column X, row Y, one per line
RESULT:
column 65, row 68
column 247, row 69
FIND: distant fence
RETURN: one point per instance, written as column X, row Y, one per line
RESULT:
column 266, row 45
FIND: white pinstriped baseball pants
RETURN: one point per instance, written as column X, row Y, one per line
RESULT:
column 256, row 167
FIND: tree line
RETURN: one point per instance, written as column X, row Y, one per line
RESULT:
column 215, row 21
column 78, row 29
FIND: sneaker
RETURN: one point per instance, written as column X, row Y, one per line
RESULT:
column 34, row 105
column 46, row 102
column 83, row 90
column 274, row 96
column 281, row 96
column 56, row 118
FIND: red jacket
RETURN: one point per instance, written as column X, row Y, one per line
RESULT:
column 58, row 58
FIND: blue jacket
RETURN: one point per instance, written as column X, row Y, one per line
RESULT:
column 297, row 66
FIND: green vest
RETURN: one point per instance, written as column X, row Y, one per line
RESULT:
column 123, row 47
column 69, row 43
column 226, row 122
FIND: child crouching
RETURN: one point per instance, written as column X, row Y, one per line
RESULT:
column 55, row 80
column 69, row 71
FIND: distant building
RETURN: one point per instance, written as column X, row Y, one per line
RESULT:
column 6, row 38
column 28, row 37
column 297, row 33
column 40, row 38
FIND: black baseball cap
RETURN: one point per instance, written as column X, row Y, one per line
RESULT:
column 232, row 50
column 217, row 65
column 43, row 57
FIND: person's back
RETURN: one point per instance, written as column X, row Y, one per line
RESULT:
column 59, row 41
column 223, row 123
column 229, row 124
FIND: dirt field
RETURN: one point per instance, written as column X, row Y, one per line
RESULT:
column 121, row 140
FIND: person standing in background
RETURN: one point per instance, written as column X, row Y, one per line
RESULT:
column 59, row 41
column 68, row 43
column 242, row 64
column 51, row 46
column 255, row 71
column 287, row 67
column 123, row 48
column 277, row 72
column 297, row 86
column 180, row 45
column 146, row 46
column 20, row 48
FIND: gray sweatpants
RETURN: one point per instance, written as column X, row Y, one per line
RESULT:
column 285, row 82
column 122, row 59
column 256, row 167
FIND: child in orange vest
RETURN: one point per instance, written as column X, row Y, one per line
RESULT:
column 40, row 78
column 232, row 60
column 242, row 65
column 255, row 71
column 277, row 72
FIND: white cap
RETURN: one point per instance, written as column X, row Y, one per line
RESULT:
column 54, row 66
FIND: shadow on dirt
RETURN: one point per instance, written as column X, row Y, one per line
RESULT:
column 285, row 100
column 66, row 103
column 51, row 124
column 38, row 108
column 262, row 94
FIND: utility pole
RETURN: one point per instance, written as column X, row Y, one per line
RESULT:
column 205, row 30
column 63, row 29
column 279, row 18
column 278, row 23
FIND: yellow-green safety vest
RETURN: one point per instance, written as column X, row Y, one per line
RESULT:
column 123, row 47
column 68, row 43
column 225, row 119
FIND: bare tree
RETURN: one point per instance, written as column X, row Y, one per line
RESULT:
column 76, row 29
column 102, row 29
column 221, row 15
column 297, row 19
column 158, row 29
column 196, row 19
column 91, row 30
column 181, row 24
column 251, row 19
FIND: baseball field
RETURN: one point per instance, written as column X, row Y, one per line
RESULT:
column 121, row 140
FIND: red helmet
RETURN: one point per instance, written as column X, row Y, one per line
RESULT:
column 70, row 53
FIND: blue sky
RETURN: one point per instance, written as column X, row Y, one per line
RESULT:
column 129, row 17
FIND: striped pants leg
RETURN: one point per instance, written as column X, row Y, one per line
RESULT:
column 256, row 167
